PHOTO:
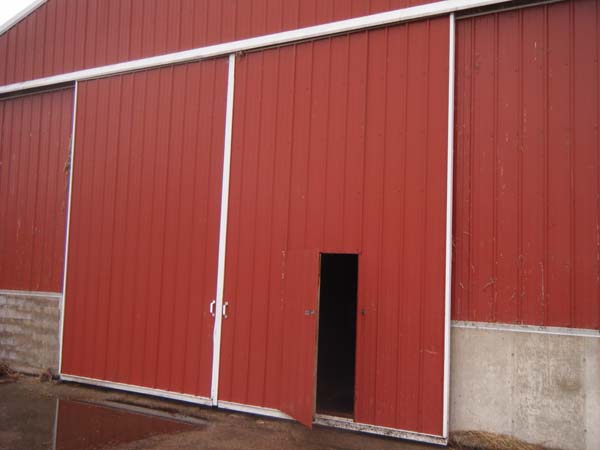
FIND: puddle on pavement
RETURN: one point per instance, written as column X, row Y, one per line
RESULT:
column 85, row 426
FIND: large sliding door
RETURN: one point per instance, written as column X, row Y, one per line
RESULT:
column 144, row 231
column 340, row 145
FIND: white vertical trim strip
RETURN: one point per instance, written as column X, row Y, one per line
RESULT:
column 449, row 206
column 64, row 289
column 223, row 231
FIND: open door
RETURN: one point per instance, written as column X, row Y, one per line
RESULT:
column 300, row 300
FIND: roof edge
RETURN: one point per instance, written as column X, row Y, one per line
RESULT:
column 20, row 16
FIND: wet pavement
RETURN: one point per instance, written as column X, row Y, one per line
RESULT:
column 63, row 416
column 48, row 422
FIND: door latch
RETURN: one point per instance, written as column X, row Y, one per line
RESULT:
column 225, row 305
column 211, row 308
column 309, row 312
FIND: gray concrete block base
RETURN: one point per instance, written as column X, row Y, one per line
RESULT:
column 541, row 388
column 29, row 327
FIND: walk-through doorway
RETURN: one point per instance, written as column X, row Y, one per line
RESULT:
column 337, row 335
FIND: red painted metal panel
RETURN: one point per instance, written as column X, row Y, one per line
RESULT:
column 65, row 31
column 3, row 57
column 340, row 145
column 66, row 35
column 300, row 276
column 145, row 227
column 35, row 133
column 527, row 167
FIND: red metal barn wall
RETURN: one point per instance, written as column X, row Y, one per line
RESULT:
column 35, row 135
column 527, row 180
column 145, row 227
column 66, row 35
column 340, row 145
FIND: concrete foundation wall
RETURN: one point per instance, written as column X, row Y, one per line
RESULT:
column 540, row 388
column 29, row 325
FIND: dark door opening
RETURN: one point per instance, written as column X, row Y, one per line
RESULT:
column 337, row 335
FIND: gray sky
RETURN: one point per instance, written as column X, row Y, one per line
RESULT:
column 10, row 8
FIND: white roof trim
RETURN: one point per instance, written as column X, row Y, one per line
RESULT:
column 20, row 16
column 286, row 37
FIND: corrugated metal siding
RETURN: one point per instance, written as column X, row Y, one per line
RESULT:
column 145, row 227
column 340, row 145
column 527, row 215
column 66, row 35
column 35, row 134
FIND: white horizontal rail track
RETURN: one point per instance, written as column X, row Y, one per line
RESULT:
column 285, row 37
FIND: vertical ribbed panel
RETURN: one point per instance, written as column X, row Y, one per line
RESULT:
column 527, row 215
column 66, row 35
column 34, row 151
column 340, row 145
column 145, row 227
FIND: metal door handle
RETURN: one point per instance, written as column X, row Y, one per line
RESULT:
column 225, row 305
column 211, row 308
